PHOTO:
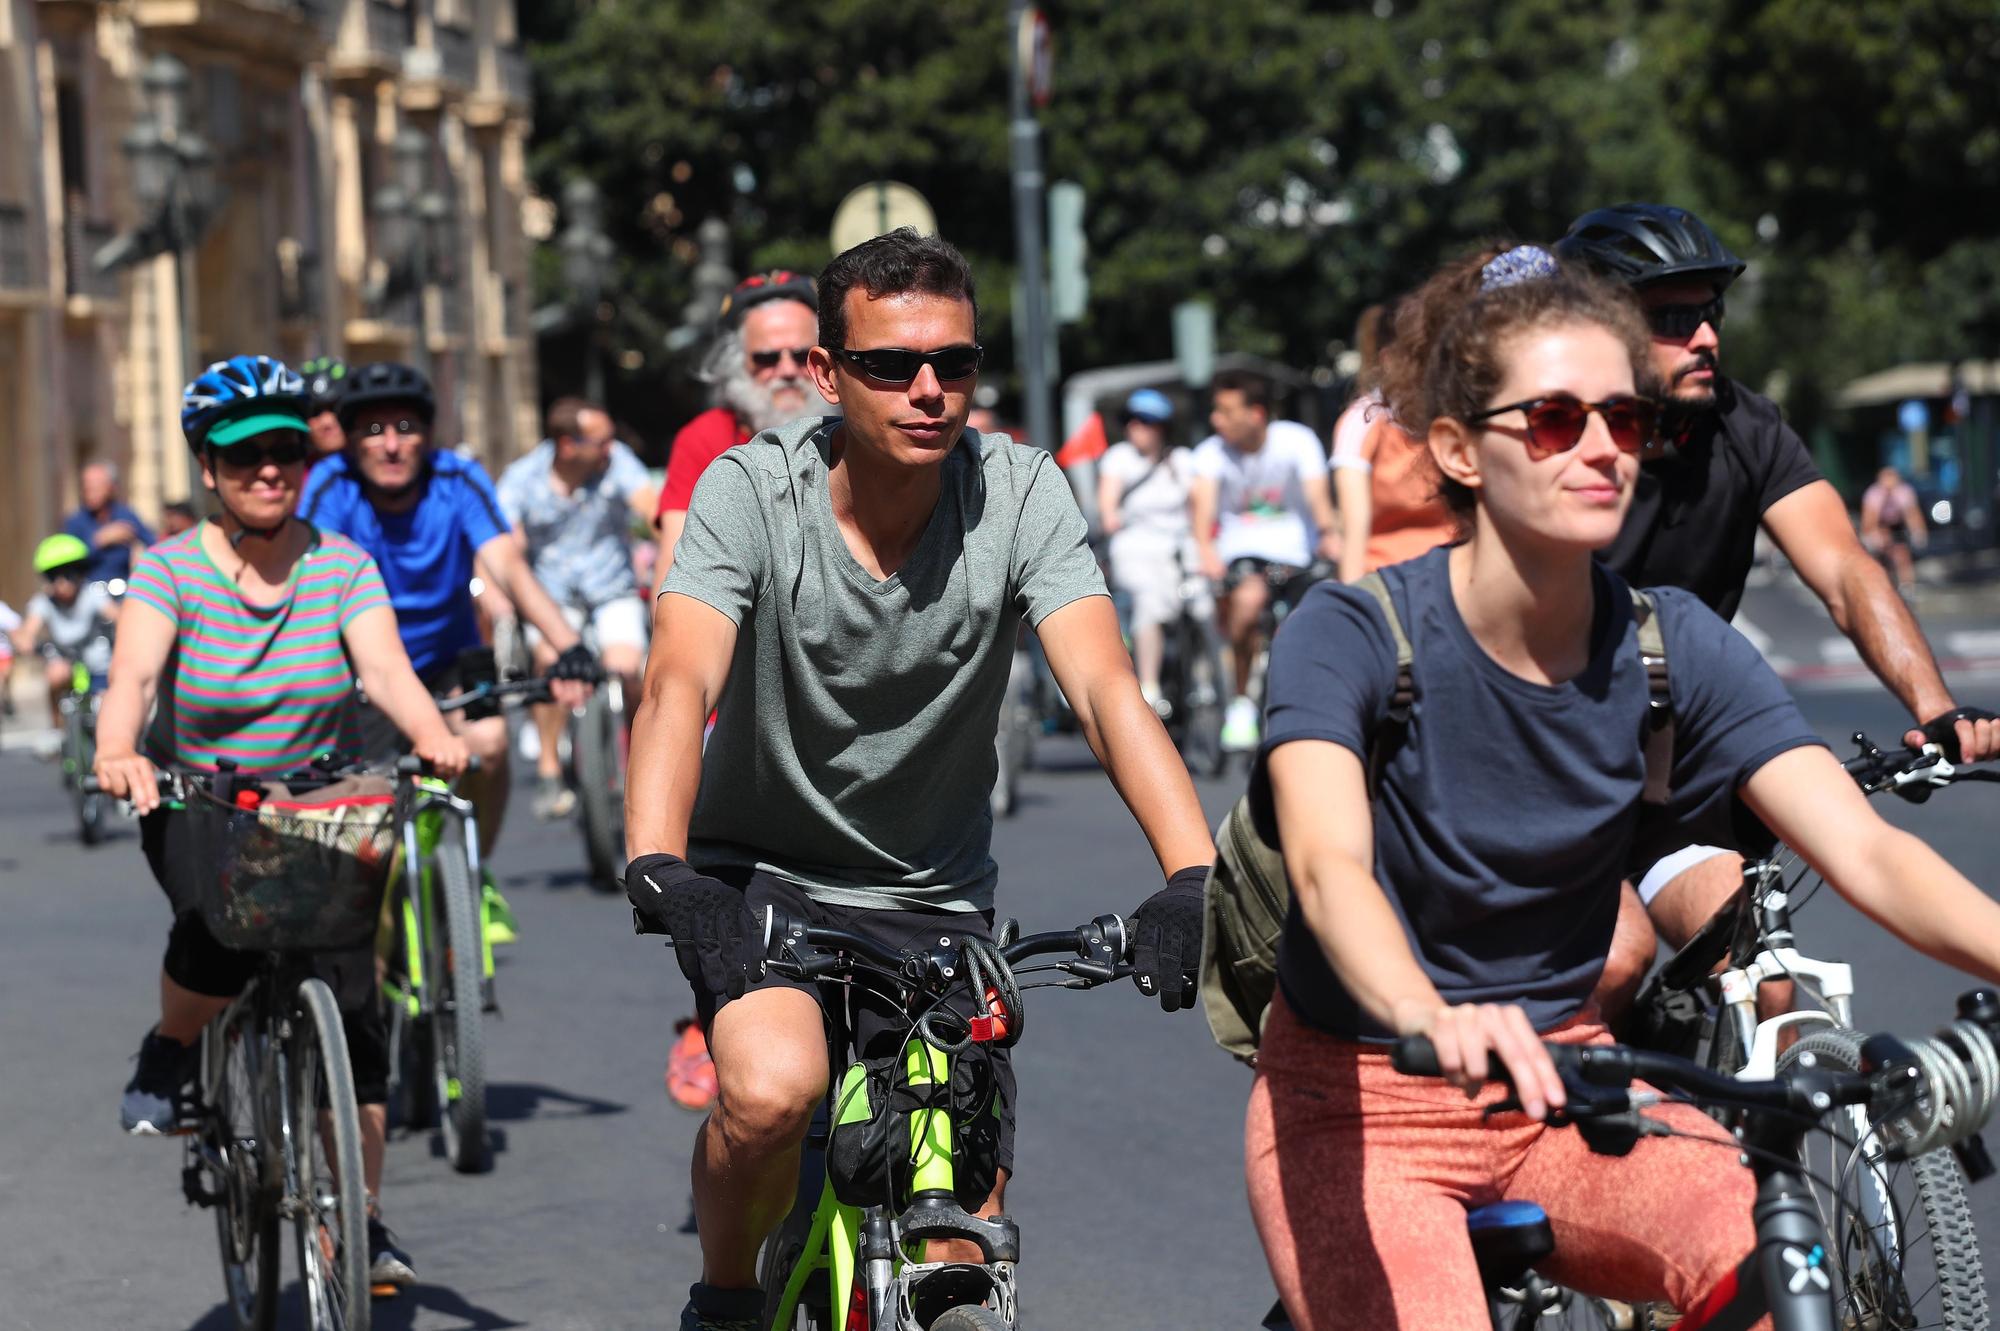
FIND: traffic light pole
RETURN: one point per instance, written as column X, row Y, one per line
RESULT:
column 1024, row 138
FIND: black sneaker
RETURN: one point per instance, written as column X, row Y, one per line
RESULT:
column 151, row 1107
column 710, row 1309
column 390, row 1269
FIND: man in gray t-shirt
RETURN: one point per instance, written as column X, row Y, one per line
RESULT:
column 820, row 772
column 846, row 598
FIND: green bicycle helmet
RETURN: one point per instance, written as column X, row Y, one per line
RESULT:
column 60, row 551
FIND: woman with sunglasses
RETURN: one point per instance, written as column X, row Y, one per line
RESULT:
column 1467, row 891
column 250, row 630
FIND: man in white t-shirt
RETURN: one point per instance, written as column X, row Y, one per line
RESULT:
column 1262, row 511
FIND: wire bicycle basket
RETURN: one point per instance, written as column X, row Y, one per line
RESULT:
column 275, row 873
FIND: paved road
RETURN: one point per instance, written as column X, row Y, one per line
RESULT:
column 1130, row 1193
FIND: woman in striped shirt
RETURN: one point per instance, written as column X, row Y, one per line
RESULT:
column 249, row 632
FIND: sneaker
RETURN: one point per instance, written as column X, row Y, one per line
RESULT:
column 151, row 1106
column 390, row 1269
column 690, row 1070
column 710, row 1309
column 501, row 926
column 553, row 799
column 1157, row 701
column 1239, row 725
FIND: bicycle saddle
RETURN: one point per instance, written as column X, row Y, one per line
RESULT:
column 1507, row 1239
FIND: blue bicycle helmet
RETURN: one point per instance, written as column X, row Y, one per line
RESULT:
column 1149, row 404
column 243, row 396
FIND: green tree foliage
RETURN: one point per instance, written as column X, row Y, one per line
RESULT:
column 1296, row 161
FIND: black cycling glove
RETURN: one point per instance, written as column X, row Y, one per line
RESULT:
column 709, row 920
column 1943, row 730
column 577, row 663
column 1166, row 940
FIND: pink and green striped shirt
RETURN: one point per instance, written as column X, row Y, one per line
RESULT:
column 266, row 686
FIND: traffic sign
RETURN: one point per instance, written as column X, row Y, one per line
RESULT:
column 878, row 208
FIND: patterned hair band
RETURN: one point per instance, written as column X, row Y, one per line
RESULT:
column 1523, row 263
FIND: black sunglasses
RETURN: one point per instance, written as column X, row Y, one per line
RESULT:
column 770, row 360
column 893, row 365
column 1679, row 322
column 1556, row 422
column 286, row 451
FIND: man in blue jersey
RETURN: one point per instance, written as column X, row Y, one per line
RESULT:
column 425, row 515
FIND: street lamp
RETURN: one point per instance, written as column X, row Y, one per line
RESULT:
column 173, row 180
column 412, row 234
column 586, row 266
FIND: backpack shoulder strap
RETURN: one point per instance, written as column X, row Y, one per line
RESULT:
column 1390, row 733
column 1659, row 727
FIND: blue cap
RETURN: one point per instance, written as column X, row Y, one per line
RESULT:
column 1149, row 404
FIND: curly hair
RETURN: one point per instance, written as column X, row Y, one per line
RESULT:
column 1446, row 361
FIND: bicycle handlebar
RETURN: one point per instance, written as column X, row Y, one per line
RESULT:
column 181, row 779
column 532, row 690
column 1924, row 1093
column 809, row 952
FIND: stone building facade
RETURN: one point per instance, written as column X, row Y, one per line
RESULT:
column 317, row 112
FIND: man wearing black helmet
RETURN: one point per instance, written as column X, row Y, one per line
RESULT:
column 325, row 377
column 1727, row 463
column 425, row 515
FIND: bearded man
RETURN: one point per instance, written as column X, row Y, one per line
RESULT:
column 758, row 368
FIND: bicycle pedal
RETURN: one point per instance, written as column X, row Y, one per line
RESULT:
column 384, row 1289
column 194, row 1189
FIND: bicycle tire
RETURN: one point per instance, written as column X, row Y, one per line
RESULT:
column 600, row 788
column 412, row 1092
column 236, row 1143
column 1894, row 1265
column 970, row 1317
column 1200, row 700
column 89, row 804
column 330, row 1218
column 458, row 1053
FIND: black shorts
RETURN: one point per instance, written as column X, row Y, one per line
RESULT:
column 196, row 962
column 875, row 1027
column 1278, row 575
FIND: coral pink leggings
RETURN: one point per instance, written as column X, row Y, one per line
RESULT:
column 1360, row 1179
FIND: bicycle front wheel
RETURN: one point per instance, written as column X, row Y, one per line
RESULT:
column 808, row 1309
column 326, row 1196
column 452, row 972
column 80, row 756
column 1900, row 1235
column 237, row 1154
column 600, row 784
column 1202, row 699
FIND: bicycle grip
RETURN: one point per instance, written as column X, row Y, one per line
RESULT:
column 1415, row 1056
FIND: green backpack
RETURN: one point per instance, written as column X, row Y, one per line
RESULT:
column 1248, row 894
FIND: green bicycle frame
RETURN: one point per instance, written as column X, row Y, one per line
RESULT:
column 422, row 828
column 834, row 1241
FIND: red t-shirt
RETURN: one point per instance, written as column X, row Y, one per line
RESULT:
column 700, row 442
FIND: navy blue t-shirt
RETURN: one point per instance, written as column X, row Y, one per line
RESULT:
column 425, row 554
column 110, row 561
column 1510, row 811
